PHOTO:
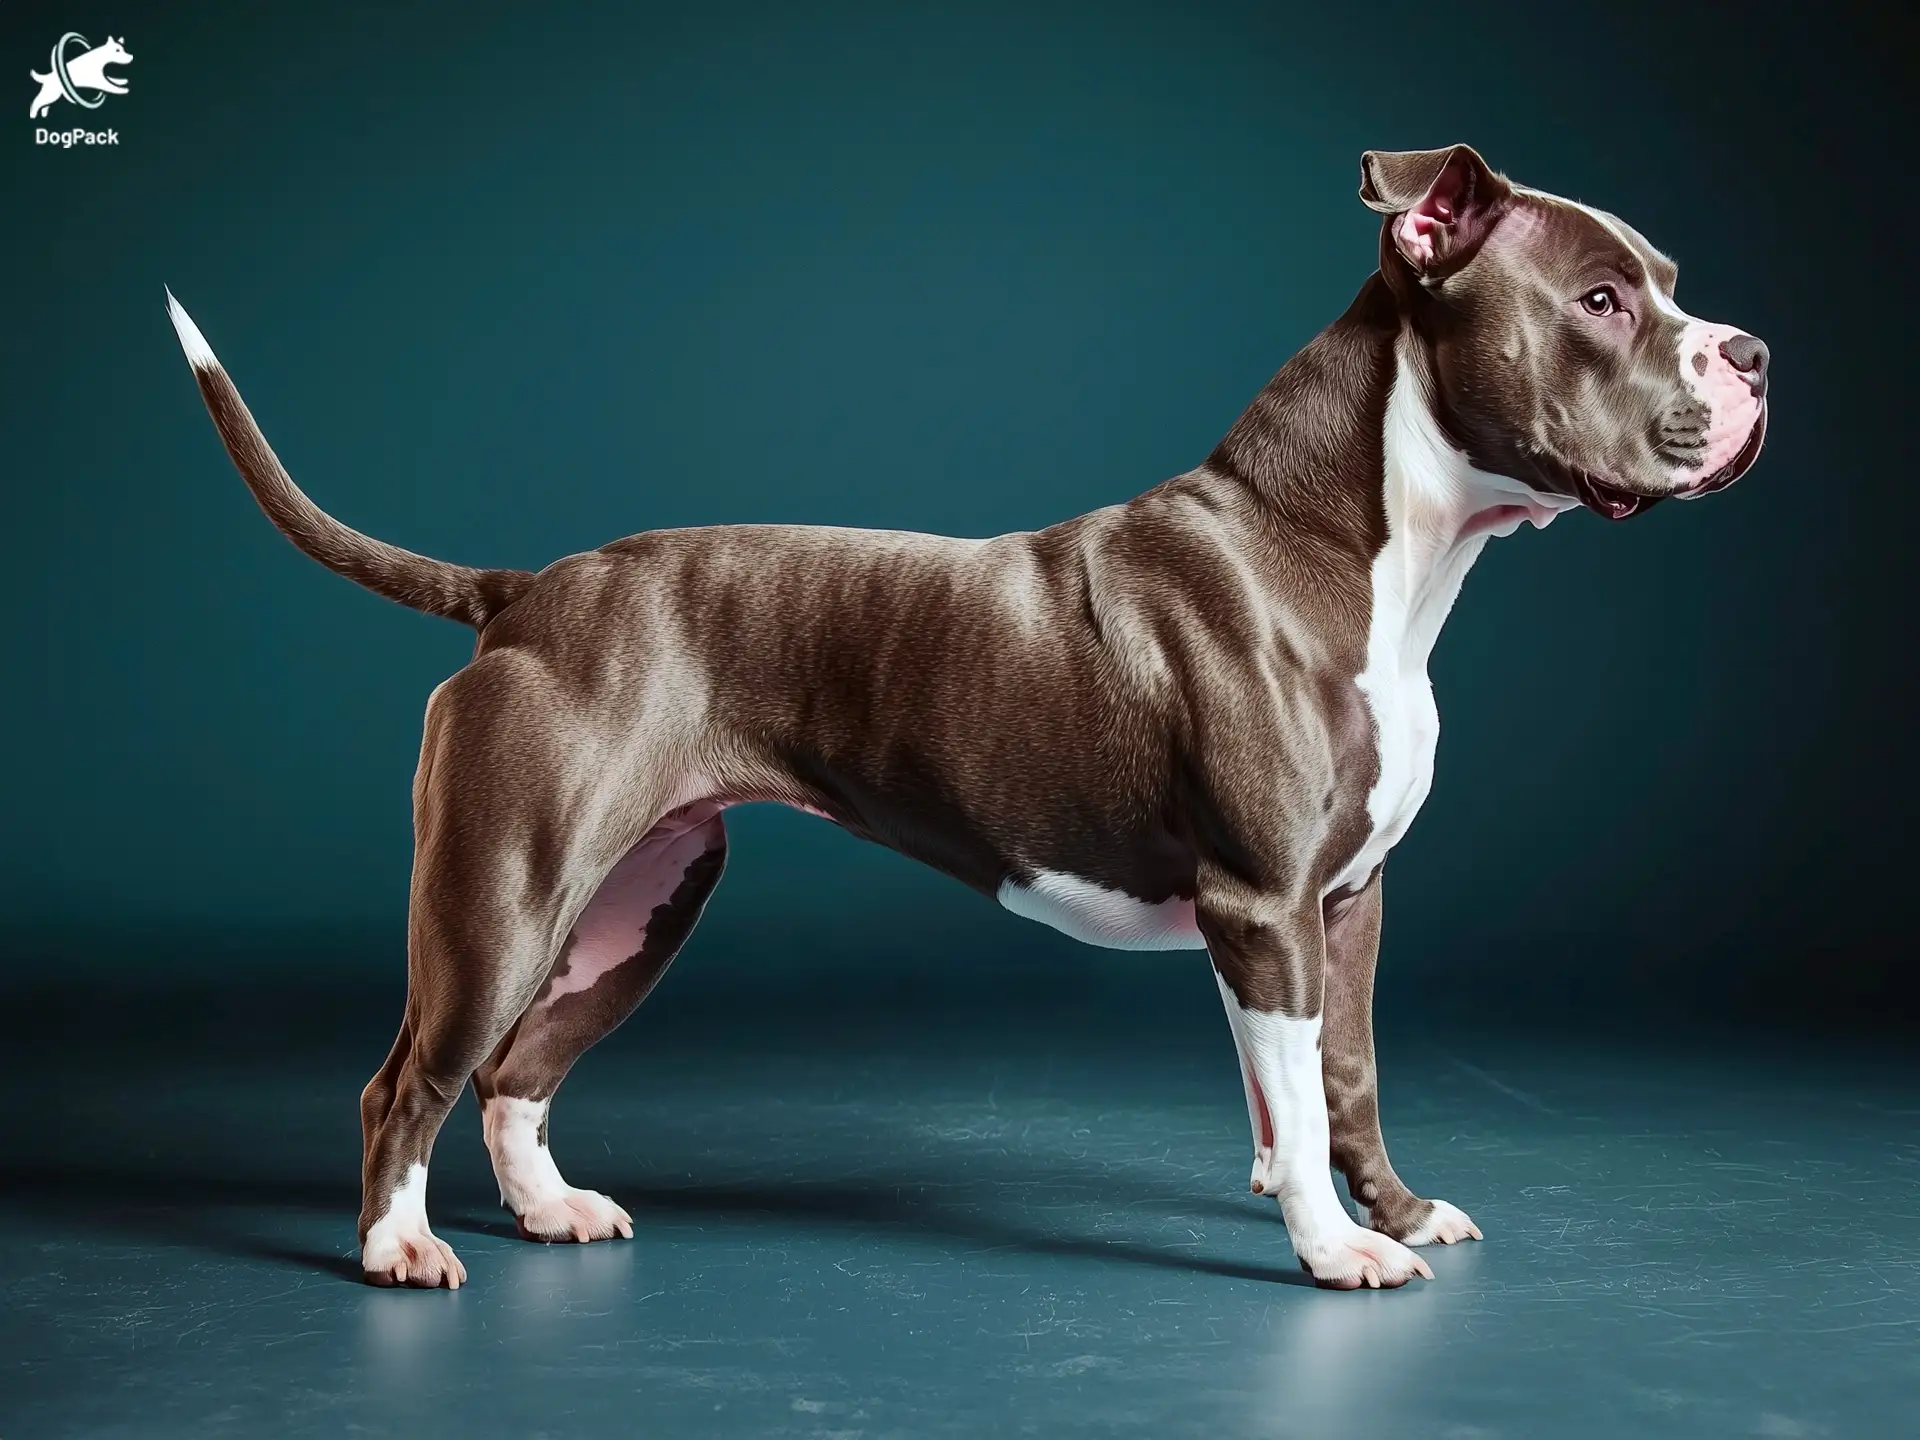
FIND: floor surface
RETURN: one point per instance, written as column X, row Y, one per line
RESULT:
column 903, row 1224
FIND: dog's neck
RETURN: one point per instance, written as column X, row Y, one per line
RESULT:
column 1344, row 445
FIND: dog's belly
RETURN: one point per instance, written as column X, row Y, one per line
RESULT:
column 1090, row 912
column 1096, row 915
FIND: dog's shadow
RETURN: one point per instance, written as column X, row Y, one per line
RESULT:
column 165, row 1202
column 162, row 1203
column 908, row 1205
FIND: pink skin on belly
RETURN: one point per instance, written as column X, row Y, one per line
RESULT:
column 1722, row 389
column 613, row 927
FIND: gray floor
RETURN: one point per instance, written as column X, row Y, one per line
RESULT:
column 887, row 1225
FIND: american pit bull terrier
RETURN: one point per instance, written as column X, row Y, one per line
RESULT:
column 1197, row 720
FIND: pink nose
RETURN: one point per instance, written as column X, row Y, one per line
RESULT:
column 1748, row 356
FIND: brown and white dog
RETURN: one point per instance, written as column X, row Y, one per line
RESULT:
column 1197, row 720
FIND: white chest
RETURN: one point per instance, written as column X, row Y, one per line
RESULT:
column 1406, row 733
column 1440, row 514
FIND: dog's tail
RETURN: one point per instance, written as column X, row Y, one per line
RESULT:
column 435, row 586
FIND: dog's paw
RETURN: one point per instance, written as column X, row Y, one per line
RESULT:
column 575, row 1217
column 416, row 1258
column 1444, row 1225
column 1346, row 1259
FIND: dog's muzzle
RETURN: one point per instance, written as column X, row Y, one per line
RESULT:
column 1741, row 462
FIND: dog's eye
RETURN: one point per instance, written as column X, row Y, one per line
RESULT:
column 1601, row 301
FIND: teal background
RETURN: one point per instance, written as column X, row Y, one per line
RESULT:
column 502, row 283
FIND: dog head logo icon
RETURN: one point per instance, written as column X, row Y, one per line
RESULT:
column 72, row 73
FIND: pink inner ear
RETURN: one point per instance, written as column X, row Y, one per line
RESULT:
column 1414, row 236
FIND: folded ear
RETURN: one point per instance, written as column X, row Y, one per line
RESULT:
column 1443, row 202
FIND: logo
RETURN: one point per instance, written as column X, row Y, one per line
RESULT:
column 77, row 71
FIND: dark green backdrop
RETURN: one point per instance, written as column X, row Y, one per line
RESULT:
column 505, row 282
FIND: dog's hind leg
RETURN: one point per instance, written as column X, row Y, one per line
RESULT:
column 464, row 985
column 619, row 948
column 518, row 812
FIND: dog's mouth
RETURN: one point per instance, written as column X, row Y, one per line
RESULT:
column 1616, row 502
column 1609, row 500
column 1734, row 468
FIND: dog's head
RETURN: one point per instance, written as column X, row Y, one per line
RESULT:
column 113, row 53
column 1558, row 355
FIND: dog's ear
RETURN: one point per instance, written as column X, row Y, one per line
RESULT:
column 1442, row 203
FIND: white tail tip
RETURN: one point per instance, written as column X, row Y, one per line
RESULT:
column 199, row 353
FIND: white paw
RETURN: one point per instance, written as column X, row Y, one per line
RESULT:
column 414, row 1256
column 401, row 1250
column 577, row 1215
column 1348, row 1258
column 1445, row 1225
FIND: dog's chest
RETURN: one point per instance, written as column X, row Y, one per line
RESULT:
column 1410, row 603
column 1406, row 734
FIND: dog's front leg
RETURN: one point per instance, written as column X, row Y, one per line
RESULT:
column 1269, row 952
column 1353, row 1083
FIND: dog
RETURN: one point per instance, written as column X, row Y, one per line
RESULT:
column 86, row 71
column 1199, row 720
